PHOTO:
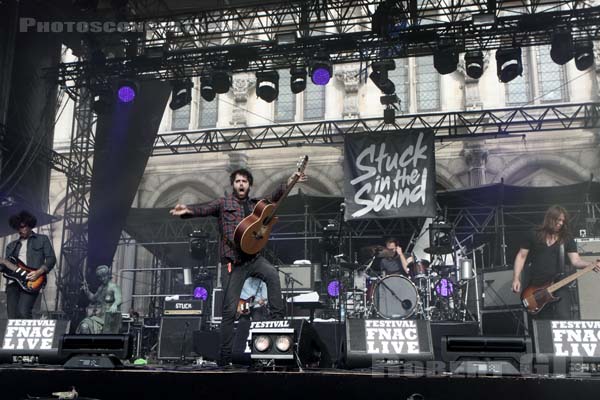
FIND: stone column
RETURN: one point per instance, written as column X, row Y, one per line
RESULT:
column 349, row 75
column 476, row 159
column 240, row 87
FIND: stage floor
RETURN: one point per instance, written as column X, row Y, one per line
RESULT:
column 170, row 382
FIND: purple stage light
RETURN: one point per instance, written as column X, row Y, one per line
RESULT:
column 126, row 94
column 333, row 288
column 321, row 76
column 200, row 293
column 444, row 288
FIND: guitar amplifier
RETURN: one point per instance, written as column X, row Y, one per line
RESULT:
column 302, row 273
column 183, row 307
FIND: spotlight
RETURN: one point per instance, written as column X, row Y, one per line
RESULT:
column 297, row 79
column 126, row 90
column 200, row 293
column 103, row 102
column 584, row 54
column 321, row 70
column 474, row 63
column 333, row 288
column 379, row 76
column 389, row 18
column 561, row 51
column 267, row 85
column 445, row 58
column 508, row 63
column 182, row 94
column 272, row 341
column 207, row 88
column 221, row 81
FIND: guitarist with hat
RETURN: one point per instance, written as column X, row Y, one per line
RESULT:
column 548, row 247
column 35, row 251
column 230, row 211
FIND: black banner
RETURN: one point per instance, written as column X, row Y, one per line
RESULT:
column 389, row 175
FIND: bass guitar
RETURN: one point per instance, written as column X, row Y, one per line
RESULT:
column 16, row 270
column 252, row 233
column 535, row 298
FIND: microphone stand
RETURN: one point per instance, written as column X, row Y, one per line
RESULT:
column 182, row 355
column 289, row 280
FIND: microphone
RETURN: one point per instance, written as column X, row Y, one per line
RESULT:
column 480, row 247
column 339, row 255
column 406, row 304
column 342, row 207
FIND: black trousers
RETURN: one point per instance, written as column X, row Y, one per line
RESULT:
column 19, row 303
column 232, row 288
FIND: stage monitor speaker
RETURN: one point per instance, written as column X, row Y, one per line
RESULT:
column 32, row 341
column 371, row 342
column 486, row 355
column 175, row 338
column 509, row 322
column 96, row 351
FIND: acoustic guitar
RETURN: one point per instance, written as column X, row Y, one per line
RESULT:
column 16, row 270
column 535, row 298
column 252, row 233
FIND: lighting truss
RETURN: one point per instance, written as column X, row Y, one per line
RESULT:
column 502, row 122
column 246, row 39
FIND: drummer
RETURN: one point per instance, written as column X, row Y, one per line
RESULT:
column 393, row 260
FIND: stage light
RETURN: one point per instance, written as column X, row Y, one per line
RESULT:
column 267, row 85
column 262, row 343
column 509, row 64
column 272, row 341
column 297, row 79
column 380, row 78
column 182, row 94
column 200, row 293
column 445, row 58
column 389, row 18
column 321, row 70
column 103, row 102
column 474, row 64
column 221, row 80
column 584, row 54
column 333, row 288
column 207, row 89
column 126, row 90
column 283, row 343
column 562, row 47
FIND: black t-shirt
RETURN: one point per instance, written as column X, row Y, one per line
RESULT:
column 544, row 259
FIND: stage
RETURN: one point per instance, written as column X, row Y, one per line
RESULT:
column 170, row 382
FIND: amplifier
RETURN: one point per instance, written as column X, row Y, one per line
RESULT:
column 183, row 307
column 303, row 274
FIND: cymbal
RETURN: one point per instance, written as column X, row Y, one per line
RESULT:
column 438, row 250
column 386, row 253
column 349, row 265
column 377, row 251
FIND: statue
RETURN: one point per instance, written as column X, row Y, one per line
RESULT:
column 107, row 305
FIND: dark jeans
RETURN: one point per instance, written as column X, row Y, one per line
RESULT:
column 232, row 288
column 19, row 303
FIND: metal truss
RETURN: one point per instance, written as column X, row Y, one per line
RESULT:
column 502, row 122
column 74, row 243
column 252, row 38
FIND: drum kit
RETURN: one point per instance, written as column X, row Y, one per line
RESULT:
column 432, row 291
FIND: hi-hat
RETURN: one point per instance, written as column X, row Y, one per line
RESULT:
column 438, row 250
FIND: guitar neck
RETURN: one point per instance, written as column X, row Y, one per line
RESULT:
column 555, row 286
column 284, row 195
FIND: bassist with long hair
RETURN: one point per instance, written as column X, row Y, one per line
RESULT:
column 548, row 248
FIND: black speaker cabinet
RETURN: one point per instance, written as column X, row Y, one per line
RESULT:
column 175, row 339
column 371, row 342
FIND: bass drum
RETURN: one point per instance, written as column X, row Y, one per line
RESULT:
column 395, row 297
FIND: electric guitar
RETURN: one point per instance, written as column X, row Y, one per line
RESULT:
column 252, row 233
column 535, row 298
column 16, row 270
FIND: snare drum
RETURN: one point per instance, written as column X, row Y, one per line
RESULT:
column 395, row 297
